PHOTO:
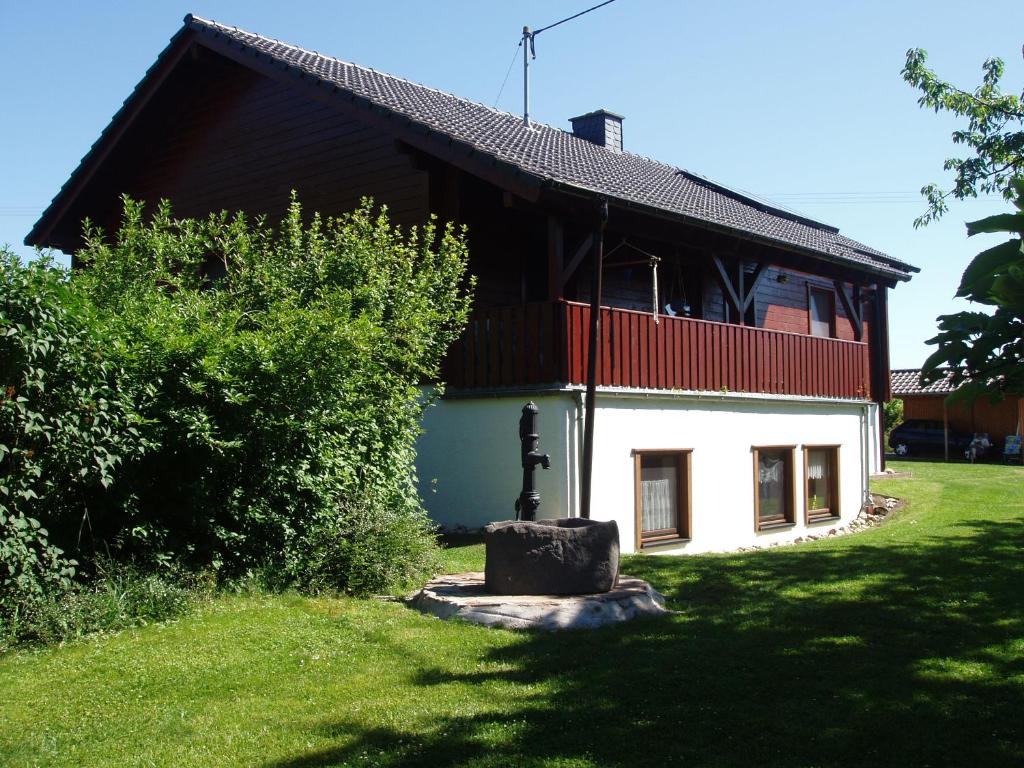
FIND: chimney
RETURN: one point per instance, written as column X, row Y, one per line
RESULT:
column 600, row 127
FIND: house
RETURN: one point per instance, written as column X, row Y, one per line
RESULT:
column 997, row 420
column 743, row 349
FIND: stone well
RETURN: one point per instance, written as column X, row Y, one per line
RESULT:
column 568, row 556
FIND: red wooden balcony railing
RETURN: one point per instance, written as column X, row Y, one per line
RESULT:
column 544, row 343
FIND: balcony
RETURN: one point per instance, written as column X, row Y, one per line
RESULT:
column 546, row 343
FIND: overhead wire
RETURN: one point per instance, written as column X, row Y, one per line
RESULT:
column 508, row 72
column 570, row 18
column 536, row 32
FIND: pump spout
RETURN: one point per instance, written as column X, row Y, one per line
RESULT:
column 533, row 458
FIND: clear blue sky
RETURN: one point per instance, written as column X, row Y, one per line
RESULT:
column 798, row 102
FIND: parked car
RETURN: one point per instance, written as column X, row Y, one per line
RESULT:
column 925, row 436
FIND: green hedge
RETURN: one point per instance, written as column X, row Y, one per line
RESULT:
column 257, row 388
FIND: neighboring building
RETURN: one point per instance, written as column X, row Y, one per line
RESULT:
column 750, row 416
column 997, row 420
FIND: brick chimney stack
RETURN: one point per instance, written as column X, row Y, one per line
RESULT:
column 600, row 127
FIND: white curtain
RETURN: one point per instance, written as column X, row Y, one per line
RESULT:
column 817, row 465
column 658, row 498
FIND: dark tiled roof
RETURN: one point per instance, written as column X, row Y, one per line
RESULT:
column 907, row 381
column 545, row 153
column 556, row 155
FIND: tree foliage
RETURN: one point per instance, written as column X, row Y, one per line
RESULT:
column 983, row 352
column 994, row 132
column 892, row 411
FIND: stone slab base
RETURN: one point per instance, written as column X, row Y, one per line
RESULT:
column 462, row 596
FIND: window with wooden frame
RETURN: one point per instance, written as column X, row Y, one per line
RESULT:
column 821, row 311
column 662, row 496
column 821, row 482
column 773, row 487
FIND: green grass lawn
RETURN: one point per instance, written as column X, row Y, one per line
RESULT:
column 902, row 646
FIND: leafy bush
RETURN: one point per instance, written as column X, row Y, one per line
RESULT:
column 31, row 569
column 281, row 368
column 118, row 597
column 65, row 428
column 365, row 548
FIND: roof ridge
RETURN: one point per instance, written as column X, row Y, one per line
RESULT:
column 217, row 25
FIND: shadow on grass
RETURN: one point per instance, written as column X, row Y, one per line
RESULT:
column 865, row 655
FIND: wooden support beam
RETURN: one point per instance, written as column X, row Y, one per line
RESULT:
column 556, row 258
column 852, row 307
column 738, row 294
column 883, row 335
column 759, row 274
column 741, row 293
column 722, row 275
column 577, row 259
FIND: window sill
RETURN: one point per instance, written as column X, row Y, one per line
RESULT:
column 775, row 526
column 660, row 543
column 817, row 519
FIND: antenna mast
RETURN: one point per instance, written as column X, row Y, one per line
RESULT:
column 527, row 42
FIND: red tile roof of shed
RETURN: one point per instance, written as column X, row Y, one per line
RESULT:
column 907, row 381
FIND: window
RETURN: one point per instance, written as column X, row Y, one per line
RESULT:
column 773, row 487
column 822, row 306
column 821, row 491
column 662, row 497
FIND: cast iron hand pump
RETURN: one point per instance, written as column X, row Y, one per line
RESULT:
column 529, row 500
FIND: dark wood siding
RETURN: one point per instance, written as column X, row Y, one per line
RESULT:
column 783, row 306
column 507, row 245
column 220, row 136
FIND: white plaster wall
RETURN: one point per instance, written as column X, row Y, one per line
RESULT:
column 721, row 435
column 468, row 458
column 469, row 471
